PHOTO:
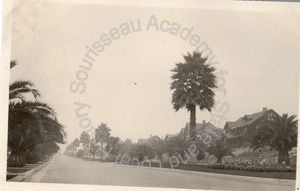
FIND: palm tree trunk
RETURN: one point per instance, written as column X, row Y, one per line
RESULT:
column 141, row 158
column 287, row 158
column 280, row 158
column 193, row 122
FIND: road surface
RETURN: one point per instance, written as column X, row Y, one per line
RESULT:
column 66, row 169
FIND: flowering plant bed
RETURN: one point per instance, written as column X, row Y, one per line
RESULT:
column 253, row 164
column 207, row 168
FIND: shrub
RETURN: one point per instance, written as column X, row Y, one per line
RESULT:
column 32, row 157
column 110, row 158
column 16, row 160
column 79, row 153
column 201, row 155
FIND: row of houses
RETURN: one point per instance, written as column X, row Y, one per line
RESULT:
column 238, row 132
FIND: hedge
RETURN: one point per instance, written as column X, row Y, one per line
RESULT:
column 252, row 168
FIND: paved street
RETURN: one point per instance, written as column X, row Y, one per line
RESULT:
column 65, row 169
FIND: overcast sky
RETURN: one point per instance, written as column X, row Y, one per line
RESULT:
column 128, row 86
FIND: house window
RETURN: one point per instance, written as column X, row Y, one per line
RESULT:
column 270, row 116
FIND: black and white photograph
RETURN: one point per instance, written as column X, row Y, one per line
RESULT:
column 131, row 95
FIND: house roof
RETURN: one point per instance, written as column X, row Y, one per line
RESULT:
column 172, row 135
column 246, row 120
column 142, row 141
column 198, row 125
column 202, row 126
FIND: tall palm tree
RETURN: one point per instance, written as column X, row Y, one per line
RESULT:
column 193, row 84
column 280, row 133
column 219, row 149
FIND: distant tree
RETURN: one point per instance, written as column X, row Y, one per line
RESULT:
column 79, row 153
column 193, row 84
column 85, row 138
column 280, row 133
column 75, row 143
column 114, row 144
column 102, row 134
column 93, row 147
column 126, row 146
column 159, row 147
column 177, row 146
column 219, row 149
column 140, row 151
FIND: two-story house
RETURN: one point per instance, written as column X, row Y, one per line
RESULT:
column 240, row 132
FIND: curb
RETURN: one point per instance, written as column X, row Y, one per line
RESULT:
column 23, row 176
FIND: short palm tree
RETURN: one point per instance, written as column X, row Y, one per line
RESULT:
column 30, row 123
column 24, row 131
column 280, row 133
column 193, row 84
column 219, row 149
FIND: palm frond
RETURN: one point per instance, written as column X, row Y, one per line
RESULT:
column 193, row 83
column 279, row 133
column 17, row 88
column 13, row 63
